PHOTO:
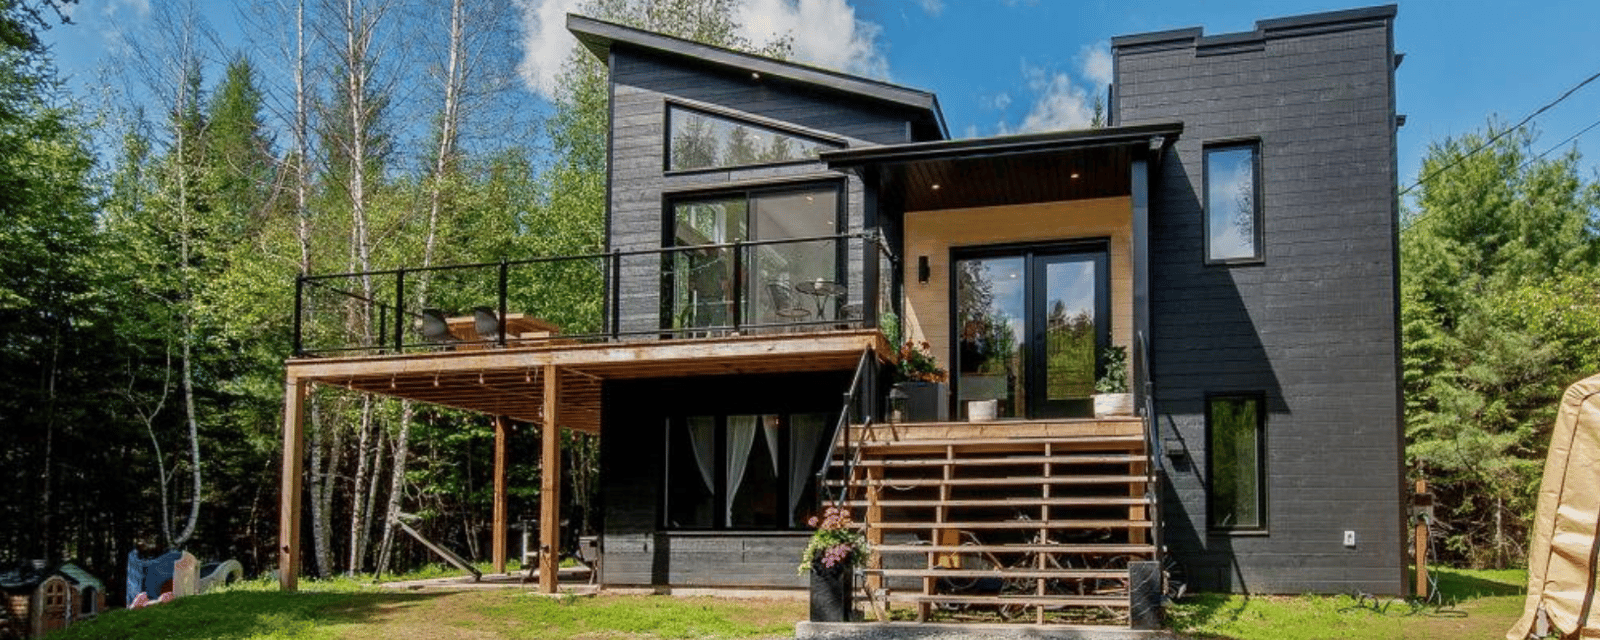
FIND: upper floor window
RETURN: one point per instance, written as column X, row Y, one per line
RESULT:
column 1235, row 444
column 699, row 140
column 1233, row 203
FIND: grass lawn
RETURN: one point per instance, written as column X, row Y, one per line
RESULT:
column 1476, row 605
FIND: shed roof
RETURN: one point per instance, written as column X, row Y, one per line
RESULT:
column 600, row 37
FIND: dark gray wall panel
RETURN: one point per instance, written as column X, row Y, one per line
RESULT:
column 1314, row 325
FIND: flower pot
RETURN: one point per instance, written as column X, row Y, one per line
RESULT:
column 832, row 591
column 982, row 410
column 1113, row 404
column 925, row 401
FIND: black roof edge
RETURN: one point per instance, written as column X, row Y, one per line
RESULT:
column 599, row 35
column 1197, row 34
column 1002, row 145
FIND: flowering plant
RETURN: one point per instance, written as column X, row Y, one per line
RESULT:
column 916, row 363
column 835, row 543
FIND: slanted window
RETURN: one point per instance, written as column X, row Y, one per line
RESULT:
column 699, row 140
column 1235, row 426
column 1233, row 203
column 722, row 286
column 743, row 471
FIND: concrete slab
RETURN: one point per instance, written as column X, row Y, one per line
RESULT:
column 957, row 631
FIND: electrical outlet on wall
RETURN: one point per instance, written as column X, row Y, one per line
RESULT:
column 1349, row 538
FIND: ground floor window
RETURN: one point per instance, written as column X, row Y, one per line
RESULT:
column 1236, row 444
column 747, row 471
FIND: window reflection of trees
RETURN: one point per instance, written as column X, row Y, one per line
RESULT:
column 702, row 141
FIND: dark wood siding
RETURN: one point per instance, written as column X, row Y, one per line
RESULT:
column 1313, row 326
column 642, row 85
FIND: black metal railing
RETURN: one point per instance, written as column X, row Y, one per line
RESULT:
column 858, row 409
column 1153, row 445
column 600, row 296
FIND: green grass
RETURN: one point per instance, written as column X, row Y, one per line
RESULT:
column 349, row 609
column 1474, row 604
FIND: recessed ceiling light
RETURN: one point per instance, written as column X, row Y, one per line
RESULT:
column 755, row 75
column 935, row 186
column 1074, row 175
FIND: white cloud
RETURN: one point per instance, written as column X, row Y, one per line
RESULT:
column 826, row 33
column 1094, row 62
column 1057, row 103
column 998, row 102
column 932, row 7
column 140, row 8
column 545, row 42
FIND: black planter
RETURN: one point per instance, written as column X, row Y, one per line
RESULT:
column 925, row 401
column 831, row 593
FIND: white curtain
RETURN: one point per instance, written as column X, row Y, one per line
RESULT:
column 804, row 431
column 741, row 438
column 703, row 439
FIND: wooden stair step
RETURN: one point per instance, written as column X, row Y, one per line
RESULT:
column 1076, row 548
column 998, row 482
column 1015, row 524
column 1006, row 444
column 1031, row 574
column 1002, row 461
column 1043, row 601
column 1086, row 501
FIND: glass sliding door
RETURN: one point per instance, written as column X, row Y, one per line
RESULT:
column 1029, row 325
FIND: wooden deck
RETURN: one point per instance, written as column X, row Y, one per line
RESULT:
column 507, row 382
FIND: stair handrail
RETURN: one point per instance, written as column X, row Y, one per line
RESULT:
column 1152, row 449
column 851, row 450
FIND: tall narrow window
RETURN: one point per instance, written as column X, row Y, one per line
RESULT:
column 698, row 140
column 1234, row 438
column 1233, row 203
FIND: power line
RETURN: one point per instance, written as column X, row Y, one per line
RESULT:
column 1502, row 134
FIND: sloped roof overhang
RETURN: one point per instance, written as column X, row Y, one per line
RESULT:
column 600, row 37
column 1006, row 170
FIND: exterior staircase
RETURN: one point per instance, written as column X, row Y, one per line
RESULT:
column 1028, row 521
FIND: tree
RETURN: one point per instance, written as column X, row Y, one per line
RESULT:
column 1496, row 262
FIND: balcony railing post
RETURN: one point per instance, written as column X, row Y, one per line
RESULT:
column 738, row 284
column 504, row 269
column 399, row 310
column 871, row 276
column 615, row 282
column 299, row 308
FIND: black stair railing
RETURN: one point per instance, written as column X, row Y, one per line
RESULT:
column 1152, row 449
column 854, row 400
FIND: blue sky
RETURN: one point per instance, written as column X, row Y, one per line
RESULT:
column 1003, row 66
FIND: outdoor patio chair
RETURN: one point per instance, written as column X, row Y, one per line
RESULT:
column 434, row 327
column 486, row 323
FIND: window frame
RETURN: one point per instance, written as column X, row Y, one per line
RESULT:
column 747, row 120
column 1258, row 233
column 669, row 228
column 1261, row 497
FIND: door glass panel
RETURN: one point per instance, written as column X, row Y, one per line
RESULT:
column 780, row 267
column 703, row 278
column 990, row 308
column 1069, row 305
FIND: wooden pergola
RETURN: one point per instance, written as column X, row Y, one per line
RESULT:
column 551, row 384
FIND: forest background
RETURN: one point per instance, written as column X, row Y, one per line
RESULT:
column 151, row 234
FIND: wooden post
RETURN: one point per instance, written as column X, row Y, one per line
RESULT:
column 1422, row 546
column 550, row 484
column 501, row 436
column 294, row 449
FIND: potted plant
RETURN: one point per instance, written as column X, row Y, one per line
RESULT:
column 835, row 550
column 1112, row 397
column 921, row 384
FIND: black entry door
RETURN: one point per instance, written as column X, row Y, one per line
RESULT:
column 1029, row 324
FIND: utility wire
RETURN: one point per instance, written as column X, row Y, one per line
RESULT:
column 1502, row 134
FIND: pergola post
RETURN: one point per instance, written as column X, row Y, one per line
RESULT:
column 294, row 448
column 550, row 484
column 502, row 427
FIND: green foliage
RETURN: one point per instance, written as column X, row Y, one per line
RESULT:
column 1498, row 292
column 1114, row 379
column 836, row 542
column 916, row 363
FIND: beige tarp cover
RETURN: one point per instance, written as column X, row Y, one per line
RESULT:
column 1561, row 562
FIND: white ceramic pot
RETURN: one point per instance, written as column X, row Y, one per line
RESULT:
column 982, row 410
column 1113, row 404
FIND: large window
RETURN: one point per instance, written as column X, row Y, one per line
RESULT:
column 743, row 471
column 699, row 140
column 1233, row 203
column 768, row 283
column 1235, row 426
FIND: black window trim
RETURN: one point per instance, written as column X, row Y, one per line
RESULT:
column 1260, row 257
column 740, row 117
column 1263, row 501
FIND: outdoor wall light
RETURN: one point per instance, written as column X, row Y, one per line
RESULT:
column 923, row 272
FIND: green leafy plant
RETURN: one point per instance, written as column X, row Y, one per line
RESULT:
column 916, row 363
column 1115, row 377
column 836, row 542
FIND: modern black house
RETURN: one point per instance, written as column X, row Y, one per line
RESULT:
column 777, row 231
